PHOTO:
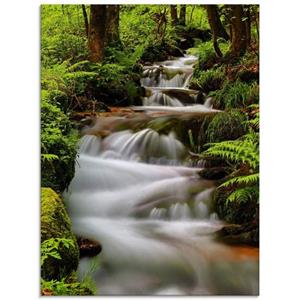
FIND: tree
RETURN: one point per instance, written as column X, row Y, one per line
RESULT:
column 239, row 31
column 182, row 14
column 174, row 17
column 86, row 21
column 103, row 30
column 216, row 26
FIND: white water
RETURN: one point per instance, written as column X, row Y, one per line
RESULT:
column 173, row 74
column 154, row 218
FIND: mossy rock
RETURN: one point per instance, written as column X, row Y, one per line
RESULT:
column 55, row 223
column 234, row 212
column 226, row 126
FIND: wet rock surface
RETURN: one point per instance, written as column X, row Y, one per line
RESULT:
column 88, row 248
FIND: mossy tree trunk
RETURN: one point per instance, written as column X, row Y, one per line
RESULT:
column 174, row 17
column 182, row 14
column 103, row 30
column 239, row 32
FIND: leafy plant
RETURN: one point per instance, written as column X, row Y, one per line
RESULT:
column 235, row 95
column 64, row 288
column 243, row 157
column 50, row 248
column 58, row 145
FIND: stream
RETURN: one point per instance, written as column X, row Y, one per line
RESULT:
column 134, row 192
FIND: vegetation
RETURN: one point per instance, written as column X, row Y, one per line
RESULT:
column 92, row 59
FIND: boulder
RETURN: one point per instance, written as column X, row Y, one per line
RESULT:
column 55, row 223
column 88, row 248
column 240, row 234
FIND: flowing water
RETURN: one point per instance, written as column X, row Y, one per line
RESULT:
column 152, row 213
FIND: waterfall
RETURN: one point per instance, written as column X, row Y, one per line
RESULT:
column 167, row 85
column 153, row 215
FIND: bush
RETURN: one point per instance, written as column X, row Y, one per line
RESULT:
column 58, row 146
column 236, row 95
column 226, row 126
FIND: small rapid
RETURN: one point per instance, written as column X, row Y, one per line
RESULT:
column 153, row 214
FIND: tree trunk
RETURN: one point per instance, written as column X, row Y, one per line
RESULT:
column 182, row 14
column 97, row 32
column 216, row 27
column 239, row 36
column 248, row 24
column 112, row 25
column 103, row 30
column 174, row 17
column 215, row 23
column 86, row 21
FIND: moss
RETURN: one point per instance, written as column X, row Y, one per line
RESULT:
column 226, row 126
column 55, row 223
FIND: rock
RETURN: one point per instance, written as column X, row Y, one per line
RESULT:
column 215, row 173
column 55, row 223
column 88, row 247
column 240, row 234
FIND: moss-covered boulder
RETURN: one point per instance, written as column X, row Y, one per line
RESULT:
column 226, row 126
column 56, row 224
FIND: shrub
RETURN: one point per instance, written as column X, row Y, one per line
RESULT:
column 58, row 146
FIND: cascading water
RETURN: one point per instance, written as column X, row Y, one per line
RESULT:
column 166, row 84
column 153, row 215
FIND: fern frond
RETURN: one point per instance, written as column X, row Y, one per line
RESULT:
column 242, row 180
column 244, row 194
column 49, row 157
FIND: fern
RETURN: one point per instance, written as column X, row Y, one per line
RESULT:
column 238, row 151
column 49, row 157
column 50, row 248
column 243, row 153
column 250, row 179
column 244, row 194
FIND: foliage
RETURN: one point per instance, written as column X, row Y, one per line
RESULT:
column 243, row 157
column 62, row 35
column 206, row 54
column 236, row 95
column 226, row 126
column 58, row 143
column 50, row 248
column 65, row 288
column 209, row 80
column 72, row 284
column 59, row 250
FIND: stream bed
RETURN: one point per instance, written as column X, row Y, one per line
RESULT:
column 134, row 192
